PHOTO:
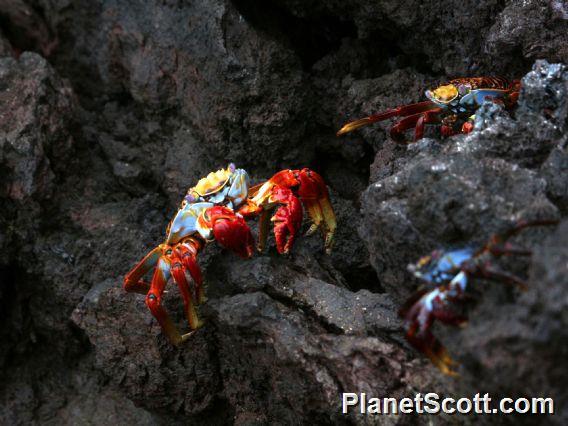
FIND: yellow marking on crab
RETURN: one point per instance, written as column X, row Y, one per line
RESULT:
column 263, row 194
column 424, row 260
column 446, row 93
column 212, row 183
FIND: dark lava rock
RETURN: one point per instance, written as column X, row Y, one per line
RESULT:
column 37, row 109
column 145, row 365
column 5, row 47
column 243, row 92
column 537, row 28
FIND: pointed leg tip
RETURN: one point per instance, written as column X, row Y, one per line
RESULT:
column 186, row 336
column 329, row 243
column 313, row 228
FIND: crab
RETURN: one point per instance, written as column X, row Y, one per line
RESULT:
column 451, row 105
column 216, row 209
column 447, row 274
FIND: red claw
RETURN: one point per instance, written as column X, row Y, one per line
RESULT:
column 312, row 191
column 287, row 219
column 419, row 313
column 312, row 185
column 467, row 127
column 230, row 230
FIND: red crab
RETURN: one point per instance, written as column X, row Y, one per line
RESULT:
column 451, row 105
column 216, row 209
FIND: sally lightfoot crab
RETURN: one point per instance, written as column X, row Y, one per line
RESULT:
column 216, row 209
column 446, row 274
column 452, row 106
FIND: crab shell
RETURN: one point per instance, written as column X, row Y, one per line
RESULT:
column 226, row 187
column 462, row 97
column 441, row 266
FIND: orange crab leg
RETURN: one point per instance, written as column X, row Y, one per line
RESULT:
column 154, row 302
column 178, row 273
column 419, row 313
column 417, row 121
column 263, row 227
column 402, row 111
column 430, row 346
column 187, row 252
column 133, row 282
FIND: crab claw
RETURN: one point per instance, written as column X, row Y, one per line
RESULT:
column 312, row 191
column 314, row 195
column 430, row 346
column 287, row 219
column 419, row 313
column 230, row 230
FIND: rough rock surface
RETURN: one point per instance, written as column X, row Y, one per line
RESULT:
column 109, row 110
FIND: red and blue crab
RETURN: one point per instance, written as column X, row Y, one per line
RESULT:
column 216, row 209
column 447, row 274
column 451, row 105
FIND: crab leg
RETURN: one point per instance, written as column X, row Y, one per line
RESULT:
column 419, row 318
column 417, row 121
column 490, row 273
column 263, row 227
column 521, row 225
column 420, row 311
column 508, row 249
column 133, row 282
column 430, row 346
column 313, row 193
column 154, row 302
column 402, row 111
column 187, row 253
column 178, row 273
column 498, row 244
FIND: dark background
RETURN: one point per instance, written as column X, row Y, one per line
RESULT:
column 110, row 110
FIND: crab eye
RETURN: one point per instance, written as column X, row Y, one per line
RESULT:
column 464, row 89
column 232, row 167
column 189, row 198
